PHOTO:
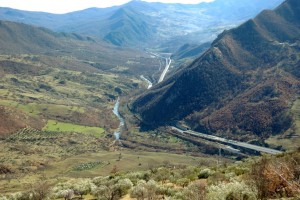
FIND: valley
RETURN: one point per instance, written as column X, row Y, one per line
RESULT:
column 56, row 115
column 151, row 101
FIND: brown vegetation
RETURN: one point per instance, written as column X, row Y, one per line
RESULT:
column 277, row 177
column 12, row 120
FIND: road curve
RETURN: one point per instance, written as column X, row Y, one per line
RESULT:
column 230, row 142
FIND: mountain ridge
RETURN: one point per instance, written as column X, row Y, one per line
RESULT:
column 159, row 23
column 18, row 38
column 238, row 60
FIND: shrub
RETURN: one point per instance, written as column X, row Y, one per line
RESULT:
column 183, row 182
column 111, row 188
column 136, row 176
column 3, row 198
column 167, row 190
column 277, row 177
column 195, row 190
column 205, row 173
column 216, row 178
column 73, row 187
column 66, row 194
column 231, row 191
column 162, row 175
column 152, row 189
column 144, row 190
column 16, row 196
column 82, row 187
column 125, row 185
column 237, row 169
column 139, row 191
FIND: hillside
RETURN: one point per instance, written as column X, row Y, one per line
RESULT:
column 268, row 177
column 57, row 93
column 190, row 51
column 21, row 38
column 57, row 76
column 18, row 38
column 256, row 64
column 128, row 27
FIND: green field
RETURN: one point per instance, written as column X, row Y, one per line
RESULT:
column 36, row 109
column 53, row 125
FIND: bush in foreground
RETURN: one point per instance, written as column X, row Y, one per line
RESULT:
column 232, row 191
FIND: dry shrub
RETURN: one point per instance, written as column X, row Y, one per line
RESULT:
column 276, row 178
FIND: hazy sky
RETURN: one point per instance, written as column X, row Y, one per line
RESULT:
column 63, row 6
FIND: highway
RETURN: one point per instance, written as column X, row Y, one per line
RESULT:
column 168, row 64
column 230, row 142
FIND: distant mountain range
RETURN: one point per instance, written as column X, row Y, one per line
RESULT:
column 18, row 38
column 142, row 24
column 242, row 87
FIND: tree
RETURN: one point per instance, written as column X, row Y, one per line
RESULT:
column 162, row 175
column 139, row 191
column 195, row 191
column 125, row 185
column 112, row 189
column 82, row 187
column 151, row 188
column 144, row 190
column 236, row 190
column 114, row 170
column 67, row 194
column 40, row 190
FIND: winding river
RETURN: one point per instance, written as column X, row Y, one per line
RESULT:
column 118, row 132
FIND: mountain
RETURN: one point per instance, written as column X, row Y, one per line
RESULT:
column 142, row 24
column 56, row 22
column 129, row 27
column 120, row 26
column 21, row 38
column 243, row 86
column 18, row 38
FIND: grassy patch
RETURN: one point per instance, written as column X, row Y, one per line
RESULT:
column 87, row 166
column 53, row 125
column 35, row 109
column 130, row 161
